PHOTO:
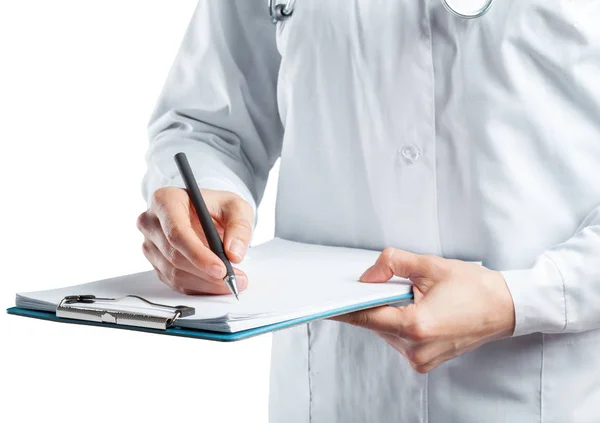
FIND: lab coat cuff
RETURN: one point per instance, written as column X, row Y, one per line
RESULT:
column 215, row 171
column 538, row 295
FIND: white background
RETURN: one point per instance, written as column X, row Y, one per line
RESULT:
column 78, row 81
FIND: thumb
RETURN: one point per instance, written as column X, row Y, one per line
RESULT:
column 238, row 218
column 393, row 262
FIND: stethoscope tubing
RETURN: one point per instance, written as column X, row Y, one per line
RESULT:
column 279, row 12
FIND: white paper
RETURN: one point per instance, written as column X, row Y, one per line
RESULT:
column 287, row 280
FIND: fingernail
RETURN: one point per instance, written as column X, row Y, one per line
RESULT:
column 216, row 271
column 237, row 248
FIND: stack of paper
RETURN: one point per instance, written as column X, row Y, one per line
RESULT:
column 287, row 281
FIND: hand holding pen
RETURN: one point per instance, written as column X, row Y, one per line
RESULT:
column 176, row 245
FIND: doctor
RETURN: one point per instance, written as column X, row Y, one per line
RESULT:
column 435, row 139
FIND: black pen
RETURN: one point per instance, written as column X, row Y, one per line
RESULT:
column 212, row 236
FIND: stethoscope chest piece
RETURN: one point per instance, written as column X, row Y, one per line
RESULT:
column 468, row 9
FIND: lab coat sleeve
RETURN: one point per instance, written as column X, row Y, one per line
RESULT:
column 561, row 291
column 219, row 104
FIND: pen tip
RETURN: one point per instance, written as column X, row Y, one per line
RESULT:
column 237, row 297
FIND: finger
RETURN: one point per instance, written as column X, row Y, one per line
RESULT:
column 238, row 218
column 428, row 356
column 398, row 321
column 180, row 279
column 174, row 256
column 190, row 282
column 446, row 352
column 384, row 319
column 166, row 281
column 389, row 263
column 155, row 256
column 161, row 266
column 406, row 265
column 175, row 221
column 421, row 357
column 150, row 226
column 399, row 344
column 163, row 279
column 429, row 366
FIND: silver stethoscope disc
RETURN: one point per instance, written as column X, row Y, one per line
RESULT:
column 468, row 9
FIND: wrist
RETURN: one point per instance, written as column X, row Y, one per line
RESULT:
column 504, row 306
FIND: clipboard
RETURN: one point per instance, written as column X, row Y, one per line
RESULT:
column 138, row 314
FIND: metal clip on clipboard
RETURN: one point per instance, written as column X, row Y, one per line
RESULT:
column 130, row 310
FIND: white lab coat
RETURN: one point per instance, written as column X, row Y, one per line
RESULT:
column 406, row 126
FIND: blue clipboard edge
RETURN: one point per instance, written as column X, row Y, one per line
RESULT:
column 216, row 336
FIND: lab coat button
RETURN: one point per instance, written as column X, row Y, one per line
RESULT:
column 411, row 153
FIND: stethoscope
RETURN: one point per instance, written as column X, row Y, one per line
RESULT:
column 467, row 9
